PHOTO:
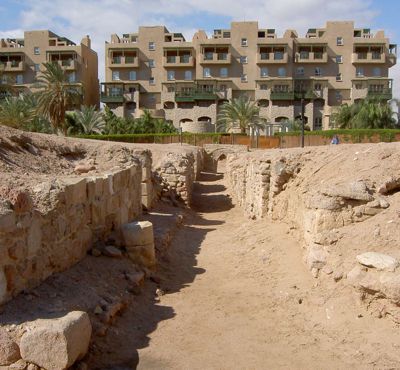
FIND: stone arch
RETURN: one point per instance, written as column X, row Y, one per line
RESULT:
column 169, row 105
column 263, row 103
column 221, row 163
column 204, row 119
column 281, row 119
column 185, row 120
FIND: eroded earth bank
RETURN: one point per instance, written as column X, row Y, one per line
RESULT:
column 287, row 260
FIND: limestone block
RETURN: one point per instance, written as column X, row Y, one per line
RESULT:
column 56, row 344
column 379, row 261
column 143, row 255
column 138, row 233
column 146, row 173
column 9, row 350
column 3, row 286
column 75, row 190
column 7, row 222
column 316, row 258
column 34, row 239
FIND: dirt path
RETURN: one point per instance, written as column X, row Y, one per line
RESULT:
column 240, row 297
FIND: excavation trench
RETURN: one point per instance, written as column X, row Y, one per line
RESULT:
column 235, row 294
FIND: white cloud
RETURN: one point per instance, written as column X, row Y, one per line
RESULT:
column 101, row 18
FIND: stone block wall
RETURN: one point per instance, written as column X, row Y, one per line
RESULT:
column 36, row 242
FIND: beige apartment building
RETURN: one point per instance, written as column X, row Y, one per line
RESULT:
column 187, row 82
column 21, row 60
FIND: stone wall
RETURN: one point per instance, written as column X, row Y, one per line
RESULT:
column 35, row 243
column 214, row 152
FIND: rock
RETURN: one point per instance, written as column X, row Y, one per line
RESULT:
column 159, row 292
column 138, row 233
column 379, row 261
column 98, row 310
column 84, row 168
column 316, row 258
column 136, row 278
column 55, row 344
column 112, row 311
column 356, row 274
column 111, row 251
column 337, row 276
column 9, row 350
column 327, row 270
column 96, row 252
column 143, row 255
column 390, row 286
column 32, row 367
column 19, row 365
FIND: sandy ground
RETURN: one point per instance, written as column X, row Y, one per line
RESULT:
column 238, row 296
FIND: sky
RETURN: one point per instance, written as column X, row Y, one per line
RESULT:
column 100, row 18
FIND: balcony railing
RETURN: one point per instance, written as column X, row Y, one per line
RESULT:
column 13, row 66
column 216, row 58
column 370, row 57
column 178, row 61
column 384, row 94
column 282, row 95
column 194, row 95
column 274, row 57
column 124, row 61
column 312, row 57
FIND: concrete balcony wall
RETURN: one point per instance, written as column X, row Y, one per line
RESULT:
column 368, row 58
column 269, row 58
column 14, row 67
column 313, row 57
column 216, row 59
column 178, row 61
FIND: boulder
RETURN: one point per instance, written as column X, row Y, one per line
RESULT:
column 111, row 251
column 55, row 344
column 138, row 233
column 143, row 255
column 9, row 350
column 379, row 261
column 316, row 258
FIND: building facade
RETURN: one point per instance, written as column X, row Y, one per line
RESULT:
column 21, row 60
column 187, row 82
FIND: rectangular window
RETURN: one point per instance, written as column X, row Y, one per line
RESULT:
column 36, row 50
column 171, row 75
column 359, row 72
column 188, row 75
column 20, row 79
column 152, row 64
column 243, row 77
column 206, row 72
column 264, row 72
column 317, row 123
column 132, row 75
column 244, row 42
column 243, row 59
column 339, row 59
column 339, row 41
column 36, row 67
column 318, row 71
column 338, row 96
column 152, row 45
column 317, row 87
column 282, row 72
column 377, row 72
column 264, row 87
column 223, row 72
column 339, row 77
column 115, row 75
column 152, row 81
column 71, row 77
column 300, row 71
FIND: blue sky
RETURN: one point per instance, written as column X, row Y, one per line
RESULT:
column 101, row 18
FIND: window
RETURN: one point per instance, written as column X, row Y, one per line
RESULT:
column 36, row 67
column 376, row 72
column 223, row 72
column 188, row 75
column 206, row 72
column 20, row 79
column 317, row 87
column 226, row 35
column 317, row 123
column 171, row 89
column 152, row 64
column 152, row 45
column 338, row 96
column 282, row 72
column 222, row 88
column 339, row 77
column 152, row 81
column 171, row 75
column 243, row 59
column 339, row 59
column 339, row 41
column 132, row 75
column 244, row 42
column 36, row 50
column 115, row 75
column 72, row 77
column 243, row 77
column 300, row 71
column 264, row 72
column 359, row 72
column 318, row 71
column 264, row 87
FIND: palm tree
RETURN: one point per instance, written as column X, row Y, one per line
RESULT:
column 90, row 120
column 239, row 114
column 6, row 84
column 56, row 95
column 16, row 112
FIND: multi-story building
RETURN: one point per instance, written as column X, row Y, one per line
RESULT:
column 187, row 82
column 21, row 60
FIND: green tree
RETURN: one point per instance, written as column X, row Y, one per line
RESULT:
column 56, row 95
column 240, row 114
column 15, row 112
column 89, row 120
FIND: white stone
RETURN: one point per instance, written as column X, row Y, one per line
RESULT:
column 379, row 261
column 55, row 344
column 9, row 351
column 138, row 233
column 316, row 258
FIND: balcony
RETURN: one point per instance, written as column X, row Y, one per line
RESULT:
column 113, row 98
column 215, row 58
column 311, row 57
column 194, row 95
column 68, row 64
column 282, row 95
column 13, row 66
column 124, row 62
column 384, row 94
column 368, row 57
column 272, row 58
column 179, row 61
